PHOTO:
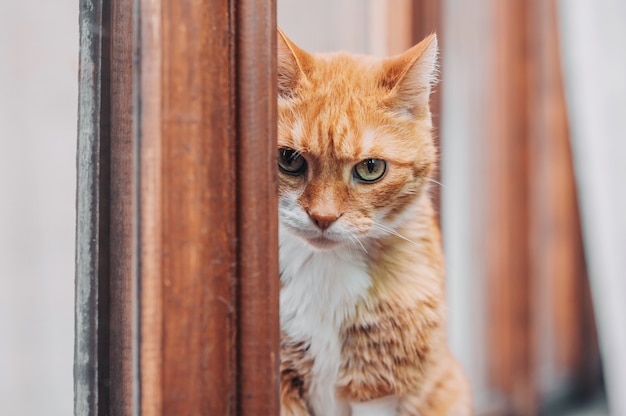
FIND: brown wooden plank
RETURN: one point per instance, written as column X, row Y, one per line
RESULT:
column 559, row 268
column 540, row 337
column 121, row 200
column 148, row 120
column 192, row 159
column 258, row 285
column 426, row 19
column 399, row 26
column 209, row 276
column 509, row 329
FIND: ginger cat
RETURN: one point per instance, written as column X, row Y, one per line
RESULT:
column 362, row 300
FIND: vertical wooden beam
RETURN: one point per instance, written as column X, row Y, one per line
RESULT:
column 399, row 26
column 427, row 18
column 122, row 275
column 565, row 328
column 177, row 264
column 149, row 157
column 510, row 333
column 513, row 222
column 258, row 284
column 187, row 160
column 209, row 271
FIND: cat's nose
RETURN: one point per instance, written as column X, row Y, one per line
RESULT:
column 323, row 221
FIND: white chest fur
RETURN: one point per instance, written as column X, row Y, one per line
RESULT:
column 320, row 290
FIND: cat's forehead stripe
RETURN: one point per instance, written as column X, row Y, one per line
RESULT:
column 297, row 134
column 367, row 142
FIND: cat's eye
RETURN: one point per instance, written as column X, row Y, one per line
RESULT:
column 370, row 170
column 291, row 162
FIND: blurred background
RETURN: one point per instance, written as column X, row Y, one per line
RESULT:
column 529, row 118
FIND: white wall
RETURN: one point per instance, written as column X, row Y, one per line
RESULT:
column 38, row 94
column 465, row 78
column 593, row 38
column 356, row 26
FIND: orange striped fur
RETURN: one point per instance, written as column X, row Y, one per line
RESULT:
column 362, row 300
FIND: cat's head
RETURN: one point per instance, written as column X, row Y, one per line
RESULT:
column 355, row 148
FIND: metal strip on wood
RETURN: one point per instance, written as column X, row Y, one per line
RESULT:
column 87, row 227
column 104, row 263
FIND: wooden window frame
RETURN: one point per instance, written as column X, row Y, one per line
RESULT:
column 177, row 266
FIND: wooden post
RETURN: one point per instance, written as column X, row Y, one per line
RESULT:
column 511, row 221
column 177, row 270
column 507, row 260
column 427, row 19
column 567, row 342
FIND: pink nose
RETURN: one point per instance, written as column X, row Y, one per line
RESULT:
column 323, row 221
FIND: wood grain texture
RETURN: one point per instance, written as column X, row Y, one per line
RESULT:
column 209, row 275
column 177, row 188
column 559, row 273
column 258, row 285
column 188, row 212
column 518, row 253
column 509, row 329
column 121, row 208
column 427, row 19
column 535, row 263
column 400, row 26
column 149, row 211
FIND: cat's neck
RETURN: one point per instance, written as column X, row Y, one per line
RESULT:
column 331, row 280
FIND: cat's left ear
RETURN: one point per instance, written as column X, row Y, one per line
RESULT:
column 409, row 77
column 293, row 64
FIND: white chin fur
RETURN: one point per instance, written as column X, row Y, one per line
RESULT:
column 320, row 290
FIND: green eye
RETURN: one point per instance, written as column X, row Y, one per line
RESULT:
column 370, row 170
column 290, row 162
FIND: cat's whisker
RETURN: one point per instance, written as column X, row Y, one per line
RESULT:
column 394, row 232
column 353, row 248
column 435, row 181
column 355, row 238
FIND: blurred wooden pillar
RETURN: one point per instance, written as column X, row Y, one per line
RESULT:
column 427, row 18
column 566, row 341
column 517, row 209
column 407, row 22
column 510, row 334
column 541, row 331
column 177, row 270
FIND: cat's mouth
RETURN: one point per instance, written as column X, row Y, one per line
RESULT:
column 316, row 239
column 322, row 242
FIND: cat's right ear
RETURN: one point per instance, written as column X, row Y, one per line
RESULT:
column 293, row 64
column 409, row 77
